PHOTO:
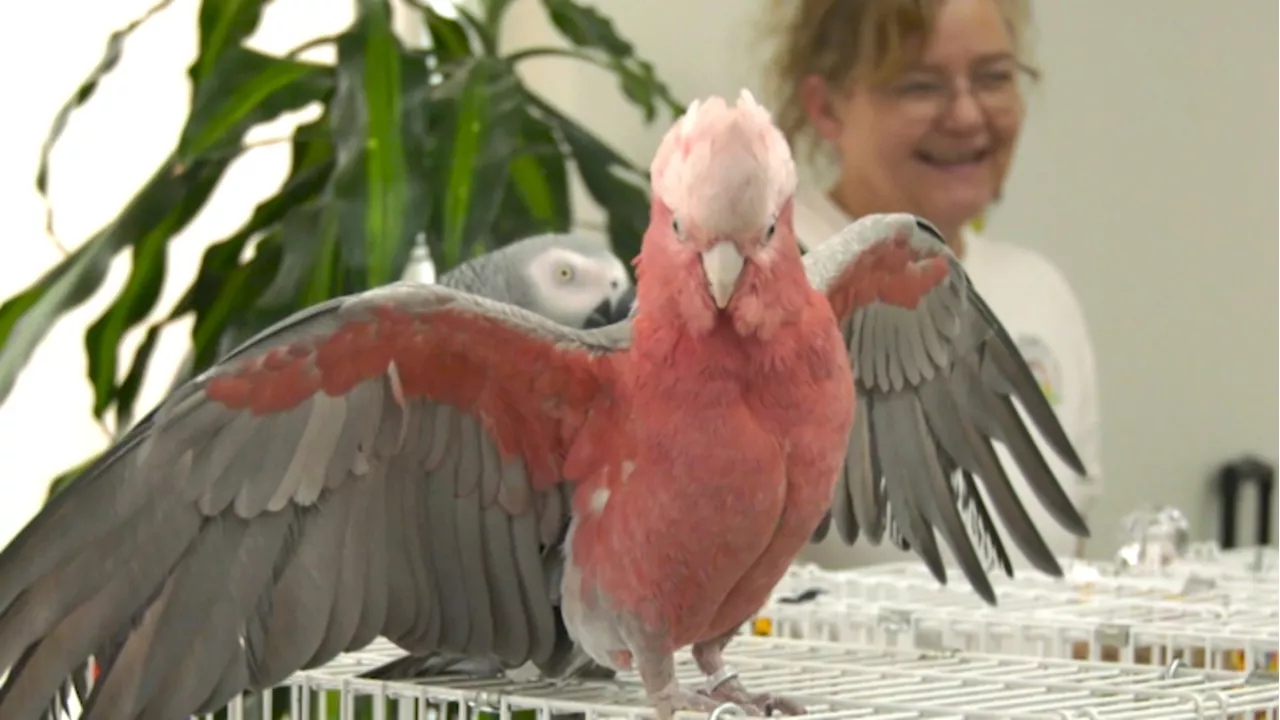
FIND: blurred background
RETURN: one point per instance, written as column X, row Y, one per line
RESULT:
column 1146, row 172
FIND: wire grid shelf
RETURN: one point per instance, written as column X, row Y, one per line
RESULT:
column 832, row 680
column 1208, row 614
column 1250, row 563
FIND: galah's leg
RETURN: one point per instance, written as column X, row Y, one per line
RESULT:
column 658, row 671
column 723, row 684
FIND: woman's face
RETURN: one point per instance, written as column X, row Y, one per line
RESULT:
column 936, row 141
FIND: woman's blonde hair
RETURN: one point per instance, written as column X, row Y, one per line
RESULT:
column 868, row 40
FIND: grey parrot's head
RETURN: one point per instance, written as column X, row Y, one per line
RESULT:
column 573, row 280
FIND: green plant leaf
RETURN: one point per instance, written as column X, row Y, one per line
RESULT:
column 128, row 391
column 223, row 24
column 587, row 27
column 612, row 181
column 483, row 128
column 246, row 88
column 484, row 33
column 110, row 59
column 63, row 481
column 445, row 140
column 221, row 133
column 539, row 176
column 164, row 205
column 492, row 13
column 224, row 290
column 236, row 315
column 309, row 265
column 164, row 208
column 448, row 38
column 536, row 199
column 379, row 194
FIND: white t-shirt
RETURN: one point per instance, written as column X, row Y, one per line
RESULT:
column 1037, row 306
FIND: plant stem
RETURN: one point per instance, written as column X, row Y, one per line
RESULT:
column 310, row 45
column 516, row 57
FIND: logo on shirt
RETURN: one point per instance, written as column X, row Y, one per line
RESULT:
column 1044, row 366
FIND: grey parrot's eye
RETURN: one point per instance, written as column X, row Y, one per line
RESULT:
column 564, row 273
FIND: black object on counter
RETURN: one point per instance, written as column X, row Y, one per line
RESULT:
column 1229, row 479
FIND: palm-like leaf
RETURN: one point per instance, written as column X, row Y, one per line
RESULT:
column 445, row 141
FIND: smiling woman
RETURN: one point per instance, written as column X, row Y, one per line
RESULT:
column 920, row 104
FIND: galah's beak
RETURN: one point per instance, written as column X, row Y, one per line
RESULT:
column 723, row 265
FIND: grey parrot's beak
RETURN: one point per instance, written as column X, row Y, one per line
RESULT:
column 612, row 311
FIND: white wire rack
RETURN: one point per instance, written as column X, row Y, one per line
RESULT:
column 1212, row 610
column 832, row 680
column 888, row 643
column 1249, row 564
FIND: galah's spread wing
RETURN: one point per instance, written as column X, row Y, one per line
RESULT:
column 383, row 464
column 936, row 374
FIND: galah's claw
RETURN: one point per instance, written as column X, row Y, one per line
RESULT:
column 757, row 704
column 681, row 699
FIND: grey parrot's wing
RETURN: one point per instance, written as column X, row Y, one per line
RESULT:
column 936, row 375
column 383, row 464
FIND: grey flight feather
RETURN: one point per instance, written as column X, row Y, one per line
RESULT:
column 935, row 389
column 213, row 550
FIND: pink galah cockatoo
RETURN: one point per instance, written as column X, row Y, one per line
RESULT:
column 423, row 464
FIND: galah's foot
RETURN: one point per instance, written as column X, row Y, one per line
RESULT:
column 723, row 684
column 658, row 671
column 730, row 689
column 677, row 698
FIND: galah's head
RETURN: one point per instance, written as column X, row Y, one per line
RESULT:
column 720, row 232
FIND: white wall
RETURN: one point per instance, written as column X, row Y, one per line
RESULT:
column 1146, row 173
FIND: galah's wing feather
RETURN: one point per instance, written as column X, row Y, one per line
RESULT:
column 936, row 375
column 384, row 464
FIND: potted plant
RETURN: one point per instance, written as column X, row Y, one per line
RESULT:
column 445, row 142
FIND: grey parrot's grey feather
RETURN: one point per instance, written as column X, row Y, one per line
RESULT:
column 214, row 550
column 937, row 377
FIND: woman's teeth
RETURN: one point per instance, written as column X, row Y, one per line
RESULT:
column 960, row 158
